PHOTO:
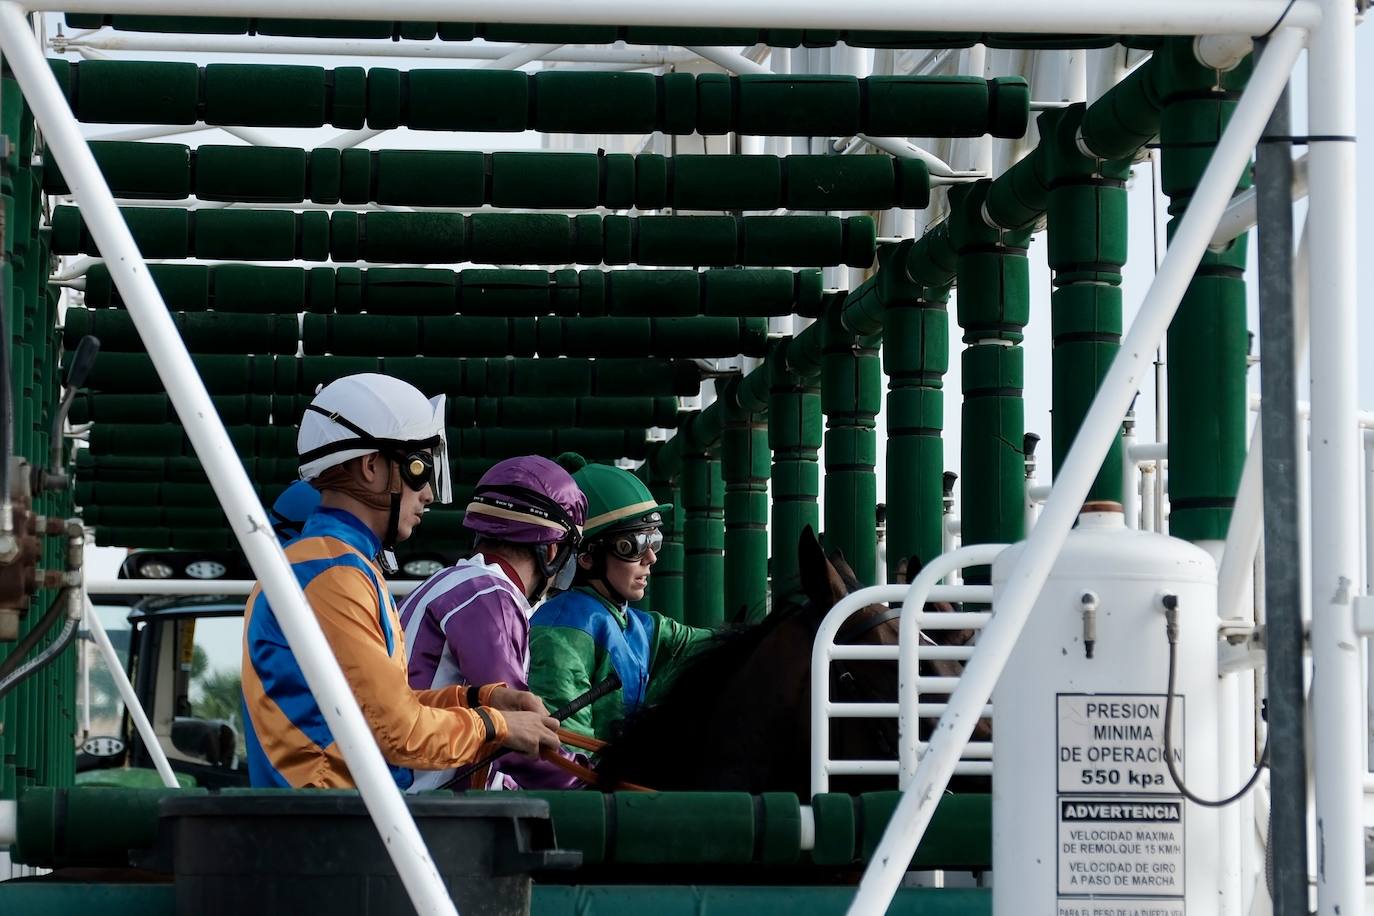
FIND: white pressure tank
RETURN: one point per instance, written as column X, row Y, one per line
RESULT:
column 1087, row 820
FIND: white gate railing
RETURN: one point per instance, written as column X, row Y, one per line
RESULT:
column 908, row 708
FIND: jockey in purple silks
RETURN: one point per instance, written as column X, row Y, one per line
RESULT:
column 469, row 623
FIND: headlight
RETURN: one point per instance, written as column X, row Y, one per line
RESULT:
column 205, row 569
column 155, row 569
column 420, row 568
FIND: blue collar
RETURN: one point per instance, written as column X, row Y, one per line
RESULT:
column 346, row 527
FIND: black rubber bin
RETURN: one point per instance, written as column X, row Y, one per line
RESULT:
column 308, row 852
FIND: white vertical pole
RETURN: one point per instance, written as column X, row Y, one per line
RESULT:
column 1338, row 729
column 1027, row 576
column 126, row 693
column 245, row 514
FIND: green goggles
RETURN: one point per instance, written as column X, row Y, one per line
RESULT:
column 633, row 545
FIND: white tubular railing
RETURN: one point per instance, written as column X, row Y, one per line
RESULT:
column 922, row 589
column 189, row 587
column 126, row 693
column 222, row 465
column 908, row 709
column 1158, row 17
column 1130, row 369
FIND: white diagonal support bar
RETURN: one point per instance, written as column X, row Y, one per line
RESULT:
column 130, row 698
column 245, row 514
column 1074, row 17
column 1129, row 371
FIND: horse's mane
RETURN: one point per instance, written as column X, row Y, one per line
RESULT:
column 660, row 726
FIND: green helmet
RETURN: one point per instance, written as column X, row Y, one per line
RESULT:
column 617, row 500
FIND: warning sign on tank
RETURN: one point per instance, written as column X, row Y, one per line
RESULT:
column 1115, row 743
column 1121, row 847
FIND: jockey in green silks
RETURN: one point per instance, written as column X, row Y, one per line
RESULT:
column 578, row 638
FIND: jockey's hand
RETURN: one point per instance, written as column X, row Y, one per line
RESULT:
column 530, row 732
column 508, row 700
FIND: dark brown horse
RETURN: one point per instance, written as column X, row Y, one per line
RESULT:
column 738, row 717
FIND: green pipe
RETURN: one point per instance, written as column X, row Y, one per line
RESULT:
column 664, row 594
column 1208, row 341
column 915, row 359
column 794, row 437
column 993, row 309
column 628, row 293
column 1087, row 248
column 703, row 505
column 525, row 179
column 133, row 373
column 851, row 396
column 444, row 238
column 549, row 101
column 744, row 460
column 169, row 439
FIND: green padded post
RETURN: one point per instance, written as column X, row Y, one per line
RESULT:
column 703, row 506
column 1208, row 343
column 915, row 360
column 993, row 307
column 744, row 459
column 1087, row 249
column 851, row 396
column 664, row 594
column 794, row 437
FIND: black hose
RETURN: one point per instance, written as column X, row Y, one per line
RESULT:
column 35, row 635
column 54, row 649
column 1171, row 609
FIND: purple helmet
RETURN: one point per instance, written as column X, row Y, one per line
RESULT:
column 526, row 500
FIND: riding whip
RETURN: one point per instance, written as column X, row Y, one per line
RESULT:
column 571, row 708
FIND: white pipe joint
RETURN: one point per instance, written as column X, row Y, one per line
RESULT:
column 1222, row 52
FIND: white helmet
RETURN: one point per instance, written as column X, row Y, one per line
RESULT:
column 361, row 414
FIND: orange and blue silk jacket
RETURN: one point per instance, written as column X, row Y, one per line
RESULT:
column 288, row 741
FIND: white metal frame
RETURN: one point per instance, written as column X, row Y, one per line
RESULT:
column 908, row 710
column 126, row 693
column 245, row 513
column 1156, row 17
column 1335, row 463
column 1129, row 370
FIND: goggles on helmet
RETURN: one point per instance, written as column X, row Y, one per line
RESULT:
column 414, row 459
column 417, row 469
column 633, row 545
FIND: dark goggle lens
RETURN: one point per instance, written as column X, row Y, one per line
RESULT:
column 417, row 470
column 632, row 545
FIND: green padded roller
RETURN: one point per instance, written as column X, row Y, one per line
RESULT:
column 203, row 332
column 359, row 335
column 251, row 174
column 133, row 170
column 564, row 101
column 133, row 373
column 154, row 408
column 724, row 241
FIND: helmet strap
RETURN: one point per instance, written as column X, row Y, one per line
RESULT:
column 598, row 574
